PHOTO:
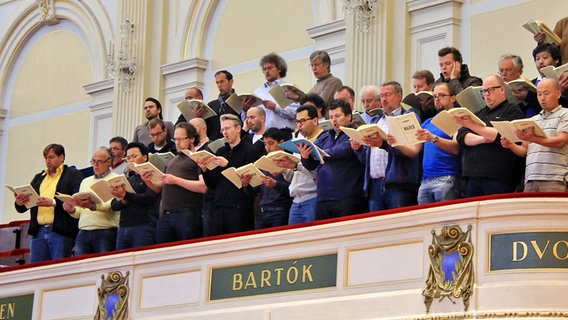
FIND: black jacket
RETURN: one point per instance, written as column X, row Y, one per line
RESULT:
column 63, row 223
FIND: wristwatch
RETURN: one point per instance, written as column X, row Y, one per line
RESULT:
column 436, row 138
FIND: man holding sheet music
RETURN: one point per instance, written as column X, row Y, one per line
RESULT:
column 98, row 223
column 232, row 208
column 392, row 176
column 547, row 157
column 182, row 188
column 53, row 231
column 139, row 210
column 441, row 166
column 281, row 117
column 483, row 157
column 340, row 177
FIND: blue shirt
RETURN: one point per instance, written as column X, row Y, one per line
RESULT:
column 437, row 162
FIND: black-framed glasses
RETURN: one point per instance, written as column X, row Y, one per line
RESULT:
column 301, row 121
column 93, row 161
column 441, row 96
column 181, row 139
column 489, row 90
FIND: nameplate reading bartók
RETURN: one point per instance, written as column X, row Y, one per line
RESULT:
column 306, row 273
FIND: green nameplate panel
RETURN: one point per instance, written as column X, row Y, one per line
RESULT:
column 17, row 308
column 528, row 250
column 305, row 273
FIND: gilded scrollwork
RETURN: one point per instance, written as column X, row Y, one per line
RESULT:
column 113, row 297
column 451, row 266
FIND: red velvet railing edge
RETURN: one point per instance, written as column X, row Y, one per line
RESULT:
column 320, row 222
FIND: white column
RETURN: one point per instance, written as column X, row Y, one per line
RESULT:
column 102, row 93
column 179, row 77
column 433, row 25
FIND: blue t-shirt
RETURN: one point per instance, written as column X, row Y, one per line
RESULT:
column 437, row 162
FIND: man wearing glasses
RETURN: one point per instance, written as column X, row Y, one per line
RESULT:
column 488, row 168
column 182, row 188
column 441, row 165
column 160, row 141
column 98, row 223
column 232, row 208
column 371, row 101
column 327, row 85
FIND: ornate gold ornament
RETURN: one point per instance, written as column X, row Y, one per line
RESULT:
column 451, row 268
column 113, row 297
column 47, row 8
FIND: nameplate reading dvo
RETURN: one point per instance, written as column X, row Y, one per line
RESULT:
column 529, row 250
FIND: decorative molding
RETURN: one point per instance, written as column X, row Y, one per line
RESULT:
column 184, row 65
column 436, row 24
column 414, row 5
column 3, row 114
column 326, row 29
column 493, row 315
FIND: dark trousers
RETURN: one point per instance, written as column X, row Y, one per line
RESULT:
column 180, row 225
column 339, row 208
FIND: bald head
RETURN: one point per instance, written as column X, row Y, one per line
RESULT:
column 193, row 94
column 548, row 92
column 200, row 126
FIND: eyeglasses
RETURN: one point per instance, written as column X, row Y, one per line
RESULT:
column 181, row 139
column 154, row 135
column 489, row 90
column 93, row 161
column 441, row 96
column 301, row 121
column 386, row 94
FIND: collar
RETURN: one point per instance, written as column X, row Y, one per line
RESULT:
column 102, row 175
column 58, row 170
column 114, row 166
column 543, row 114
column 325, row 77
column 275, row 83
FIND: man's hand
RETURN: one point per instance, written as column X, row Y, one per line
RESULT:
column 456, row 70
column 199, row 112
column 305, row 150
column 285, row 162
column 424, row 135
column 45, row 202
column 21, row 198
column 118, row 192
column 374, row 141
column 539, row 37
column 269, row 104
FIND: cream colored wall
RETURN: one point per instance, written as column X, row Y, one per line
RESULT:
column 72, row 131
column 51, row 75
column 248, row 30
column 500, row 31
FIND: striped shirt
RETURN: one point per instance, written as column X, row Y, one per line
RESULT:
column 545, row 163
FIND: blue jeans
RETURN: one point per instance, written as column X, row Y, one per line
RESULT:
column 136, row 236
column 181, row 225
column 376, row 193
column 437, row 189
column 49, row 245
column 269, row 217
column 95, row 241
column 399, row 197
column 482, row 186
column 304, row 211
